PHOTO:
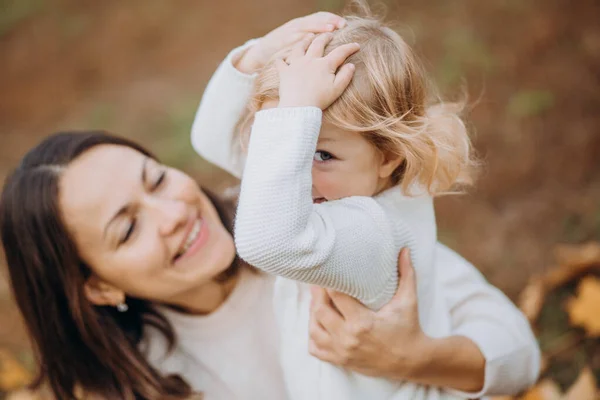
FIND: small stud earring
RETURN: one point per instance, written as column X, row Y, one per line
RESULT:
column 122, row 307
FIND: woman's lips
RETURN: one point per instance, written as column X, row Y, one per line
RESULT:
column 198, row 242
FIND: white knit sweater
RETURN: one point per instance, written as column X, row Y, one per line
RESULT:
column 478, row 310
column 350, row 245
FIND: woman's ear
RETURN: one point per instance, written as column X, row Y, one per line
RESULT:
column 101, row 293
column 389, row 163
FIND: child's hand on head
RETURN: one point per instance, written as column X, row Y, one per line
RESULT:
column 307, row 78
column 285, row 36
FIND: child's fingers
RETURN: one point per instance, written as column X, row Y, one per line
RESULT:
column 317, row 47
column 343, row 78
column 340, row 54
column 299, row 48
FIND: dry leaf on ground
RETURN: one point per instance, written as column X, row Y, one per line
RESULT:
column 588, row 253
column 584, row 309
column 574, row 260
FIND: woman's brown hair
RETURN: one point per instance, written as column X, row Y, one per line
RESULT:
column 80, row 347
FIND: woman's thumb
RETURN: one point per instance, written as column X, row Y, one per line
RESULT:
column 407, row 283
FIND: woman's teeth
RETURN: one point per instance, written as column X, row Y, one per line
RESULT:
column 191, row 237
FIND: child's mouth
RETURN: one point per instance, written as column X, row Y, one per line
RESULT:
column 319, row 200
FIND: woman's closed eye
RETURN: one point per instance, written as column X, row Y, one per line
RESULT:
column 160, row 176
column 129, row 231
column 323, row 156
column 159, row 180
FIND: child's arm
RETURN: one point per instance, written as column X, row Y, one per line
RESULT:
column 226, row 95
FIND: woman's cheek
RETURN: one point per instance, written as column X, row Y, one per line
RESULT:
column 141, row 271
column 148, row 256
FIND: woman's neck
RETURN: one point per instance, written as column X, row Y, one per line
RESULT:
column 205, row 299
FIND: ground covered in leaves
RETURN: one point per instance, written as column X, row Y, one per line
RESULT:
column 531, row 68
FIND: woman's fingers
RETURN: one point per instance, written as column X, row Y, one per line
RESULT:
column 324, row 313
column 320, row 22
column 406, row 294
column 319, row 334
column 318, row 296
column 349, row 308
column 324, row 355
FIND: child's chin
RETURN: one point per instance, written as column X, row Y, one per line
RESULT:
column 319, row 200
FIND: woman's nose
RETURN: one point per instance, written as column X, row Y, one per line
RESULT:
column 171, row 214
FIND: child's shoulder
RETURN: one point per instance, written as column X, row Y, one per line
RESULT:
column 396, row 203
column 395, row 194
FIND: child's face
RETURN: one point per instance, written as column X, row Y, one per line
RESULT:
column 346, row 164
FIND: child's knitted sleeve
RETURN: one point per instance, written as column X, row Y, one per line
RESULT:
column 221, row 107
column 349, row 245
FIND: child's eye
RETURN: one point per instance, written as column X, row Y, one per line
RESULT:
column 322, row 156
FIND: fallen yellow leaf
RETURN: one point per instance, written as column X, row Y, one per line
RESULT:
column 584, row 309
column 12, row 374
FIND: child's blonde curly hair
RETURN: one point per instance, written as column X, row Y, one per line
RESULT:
column 390, row 103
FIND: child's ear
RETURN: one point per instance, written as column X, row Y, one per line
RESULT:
column 389, row 163
column 101, row 293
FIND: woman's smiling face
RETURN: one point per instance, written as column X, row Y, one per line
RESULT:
column 143, row 228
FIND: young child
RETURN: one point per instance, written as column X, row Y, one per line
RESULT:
column 321, row 201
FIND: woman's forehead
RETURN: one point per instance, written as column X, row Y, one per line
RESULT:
column 99, row 182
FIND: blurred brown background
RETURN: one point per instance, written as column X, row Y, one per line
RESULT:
column 138, row 68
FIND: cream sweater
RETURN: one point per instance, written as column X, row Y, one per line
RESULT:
column 477, row 310
column 230, row 354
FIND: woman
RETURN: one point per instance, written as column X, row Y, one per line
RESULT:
column 114, row 259
column 481, row 326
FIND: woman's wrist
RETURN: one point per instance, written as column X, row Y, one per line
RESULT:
column 452, row 362
column 246, row 62
column 404, row 362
